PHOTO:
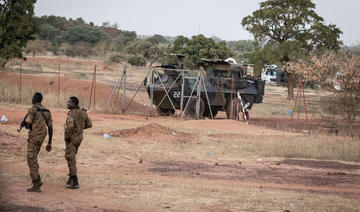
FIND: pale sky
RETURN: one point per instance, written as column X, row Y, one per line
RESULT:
column 220, row 18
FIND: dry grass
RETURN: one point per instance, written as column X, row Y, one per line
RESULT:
column 275, row 102
column 110, row 170
column 9, row 93
column 125, row 184
column 301, row 146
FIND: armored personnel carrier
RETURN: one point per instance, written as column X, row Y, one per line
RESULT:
column 222, row 82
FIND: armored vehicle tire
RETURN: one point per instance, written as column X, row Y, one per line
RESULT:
column 239, row 110
column 165, row 112
column 234, row 109
column 207, row 112
column 191, row 109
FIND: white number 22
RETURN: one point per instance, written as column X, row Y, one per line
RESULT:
column 176, row 94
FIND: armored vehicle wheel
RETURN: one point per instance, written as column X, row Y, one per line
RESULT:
column 236, row 107
column 165, row 112
column 207, row 112
column 191, row 109
column 235, row 116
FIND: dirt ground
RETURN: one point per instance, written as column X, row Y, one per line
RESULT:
column 168, row 164
column 132, row 173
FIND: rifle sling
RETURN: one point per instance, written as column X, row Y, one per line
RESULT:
column 42, row 113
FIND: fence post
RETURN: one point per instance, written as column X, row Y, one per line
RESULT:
column 20, row 85
column 95, row 88
column 124, row 93
column 58, row 85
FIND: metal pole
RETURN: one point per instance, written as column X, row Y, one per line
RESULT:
column 152, row 88
column 182, row 95
column 207, row 97
column 95, row 88
column 305, row 106
column 91, row 89
column 292, row 113
column 232, row 97
column 118, row 89
column 20, row 85
column 137, row 90
column 124, row 93
column 198, row 96
column 113, row 91
column 167, row 91
column 59, row 85
column 192, row 91
column 299, row 105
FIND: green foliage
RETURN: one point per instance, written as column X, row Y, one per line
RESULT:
column 115, row 58
column 147, row 49
column 242, row 49
column 85, row 34
column 80, row 49
column 120, row 43
column 156, row 39
column 137, row 61
column 199, row 47
column 16, row 28
column 60, row 23
column 289, row 29
column 112, row 31
column 48, row 32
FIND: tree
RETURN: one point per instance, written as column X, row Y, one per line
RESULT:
column 242, row 49
column 156, row 39
column 48, row 32
column 339, row 73
column 125, row 37
column 149, row 51
column 84, row 33
column 199, row 47
column 292, row 30
column 82, row 49
column 137, row 61
column 36, row 46
column 16, row 28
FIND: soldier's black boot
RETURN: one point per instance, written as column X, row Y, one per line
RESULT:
column 74, row 184
column 69, row 181
column 36, row 185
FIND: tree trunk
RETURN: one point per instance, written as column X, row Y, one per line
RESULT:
column 290, row 85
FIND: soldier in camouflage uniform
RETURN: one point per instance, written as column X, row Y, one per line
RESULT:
column 37, row 120
column 77, row 120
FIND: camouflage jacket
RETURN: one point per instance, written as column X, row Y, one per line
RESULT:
column 77, row 120
column 39, row 117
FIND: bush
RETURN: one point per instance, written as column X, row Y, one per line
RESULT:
column 87, row 34
column 81, row 49
column 37, row 46
column 115, row 58
column 137, row 61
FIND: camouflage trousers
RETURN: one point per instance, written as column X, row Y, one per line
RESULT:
column 33, row 148
column 70, row 155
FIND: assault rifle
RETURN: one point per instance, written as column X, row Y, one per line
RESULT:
column 22, row 124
